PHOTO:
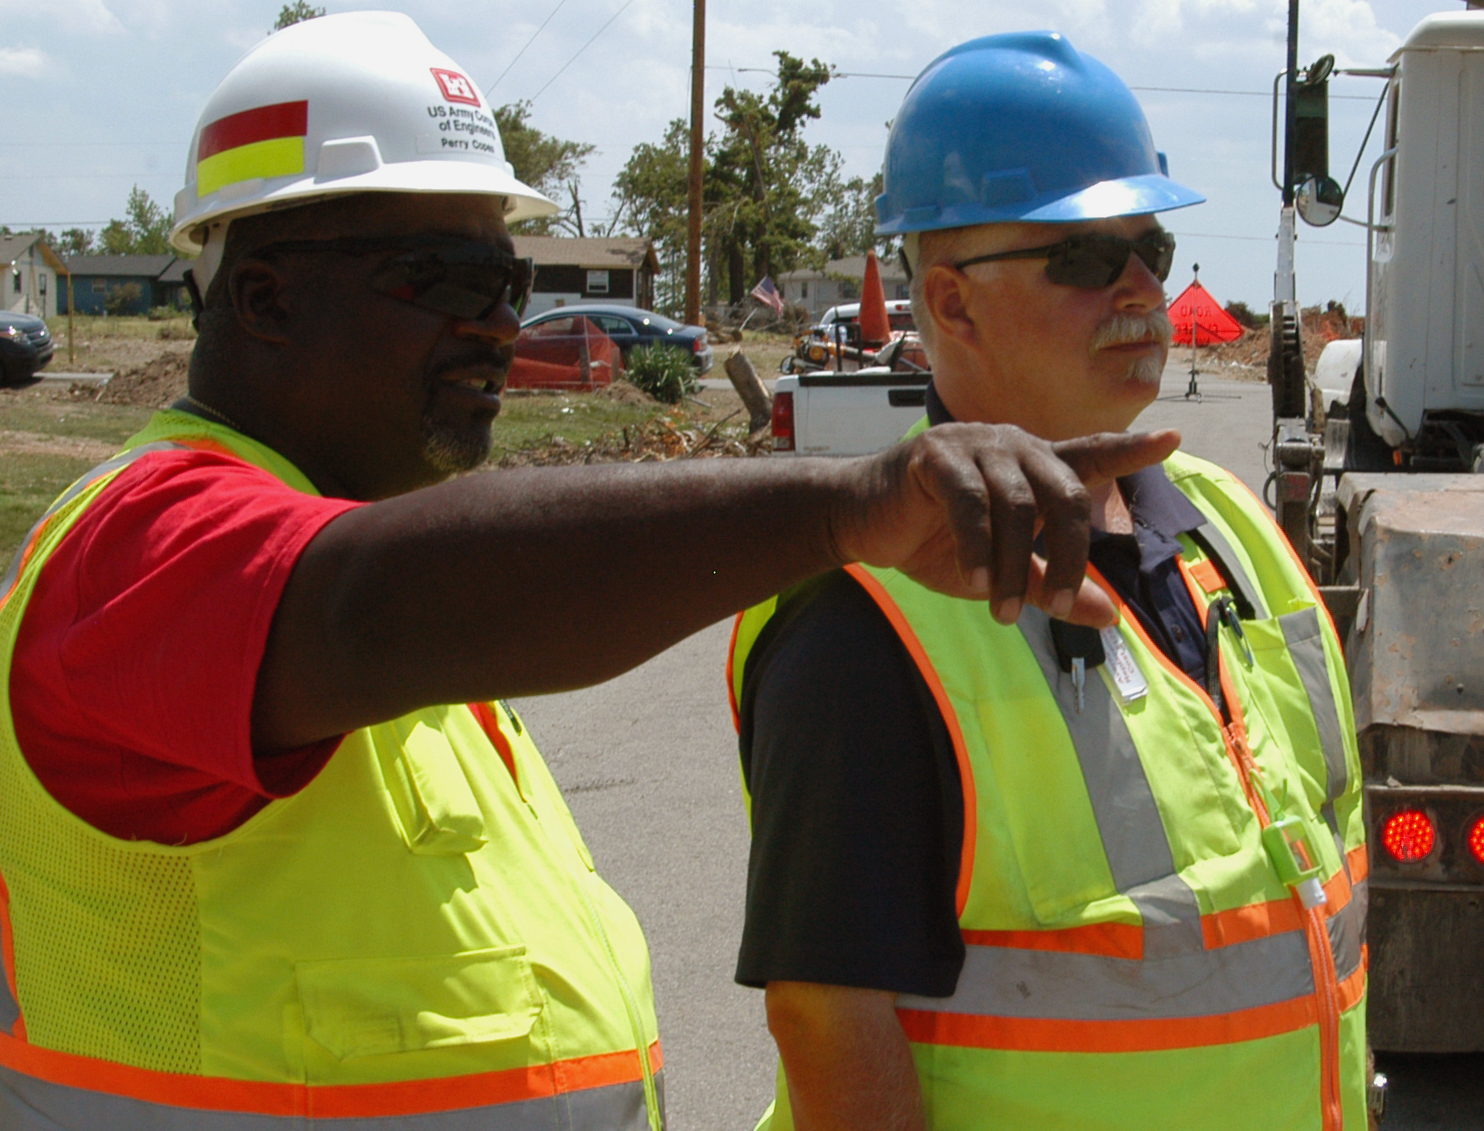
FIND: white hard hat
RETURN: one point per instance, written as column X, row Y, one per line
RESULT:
column 359, row 102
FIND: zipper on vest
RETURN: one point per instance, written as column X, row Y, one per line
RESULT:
column 1224, row 704
column 636, row 1023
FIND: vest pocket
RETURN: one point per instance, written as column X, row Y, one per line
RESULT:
column 434, row 804
column 359, row 1007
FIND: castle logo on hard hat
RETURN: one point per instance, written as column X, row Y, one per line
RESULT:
column 267, row 141
column 455, row 87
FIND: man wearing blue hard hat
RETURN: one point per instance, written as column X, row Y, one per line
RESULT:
column 1008, row 872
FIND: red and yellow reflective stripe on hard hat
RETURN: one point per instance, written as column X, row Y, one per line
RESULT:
column 266, row 141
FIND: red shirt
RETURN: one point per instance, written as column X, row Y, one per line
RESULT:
column 132, row 680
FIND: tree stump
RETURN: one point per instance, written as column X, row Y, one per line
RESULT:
column 751, row 389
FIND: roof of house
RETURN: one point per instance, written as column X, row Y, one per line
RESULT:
column 13, row 247
column 851, row 267
column 573, row 251
column 129, row 266
column 175, row 273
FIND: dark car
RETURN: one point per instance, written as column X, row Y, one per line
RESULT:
column 628, row 327
column 25, row 346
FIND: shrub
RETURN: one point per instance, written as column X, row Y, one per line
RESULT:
column 1242, row 313
column 663, row 372
column 123, row 299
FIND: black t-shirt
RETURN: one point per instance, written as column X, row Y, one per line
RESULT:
column 857, row 807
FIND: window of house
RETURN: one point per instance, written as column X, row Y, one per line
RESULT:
column 904, row 291
column 100, row 286
column 597, row 282
column 15, row 281
column 804, row 289
column 41, row 282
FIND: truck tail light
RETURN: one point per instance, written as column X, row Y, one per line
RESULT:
column 1476, row 840
column 1410, row 835
column 783, row 422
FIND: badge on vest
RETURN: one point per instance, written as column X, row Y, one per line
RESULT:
column 1122, row 668
column 1079, row 648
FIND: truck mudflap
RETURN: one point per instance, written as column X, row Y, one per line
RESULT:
column 1415, row 545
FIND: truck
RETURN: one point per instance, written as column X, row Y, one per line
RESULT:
column 846, row 412
column 1377, row 482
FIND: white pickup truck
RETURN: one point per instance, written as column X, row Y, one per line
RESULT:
column 829, row 413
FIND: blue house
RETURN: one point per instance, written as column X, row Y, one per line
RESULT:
column 136, row 282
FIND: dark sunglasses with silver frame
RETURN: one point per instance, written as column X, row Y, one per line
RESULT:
column 1093, row 260
column 462, row 278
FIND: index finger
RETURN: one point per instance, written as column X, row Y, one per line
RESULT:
column 1104, row 456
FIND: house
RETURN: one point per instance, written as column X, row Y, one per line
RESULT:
column 840, row 281
column 32, row 270
column 572, row 269
column 133, row 281
column 170, row 287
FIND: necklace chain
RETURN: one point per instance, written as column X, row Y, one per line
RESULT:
column 206, row 408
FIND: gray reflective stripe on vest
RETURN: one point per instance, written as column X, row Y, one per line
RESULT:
column 1231, row 568
column 1347, row 932
column 121, row 460
column 29, row 1104
column 1123, row 805
column 1305, row 639
column 1056, row 985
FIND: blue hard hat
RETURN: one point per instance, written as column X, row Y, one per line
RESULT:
column 1020, row 127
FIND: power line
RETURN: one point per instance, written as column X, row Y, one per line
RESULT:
column 76, row 144
column 581, row 49
column 1158, row 89
column 522, row 51
column 79, row 176
column 1262, row 239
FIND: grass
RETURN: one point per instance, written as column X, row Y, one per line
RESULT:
column 108, row 423
column 29, row 481
column 103, row 344
column 525, row 421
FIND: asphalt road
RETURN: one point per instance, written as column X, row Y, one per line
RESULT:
column 648, row 764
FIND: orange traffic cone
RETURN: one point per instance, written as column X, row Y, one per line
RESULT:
column 875, row 325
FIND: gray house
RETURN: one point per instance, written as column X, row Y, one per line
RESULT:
column 840, row 281
column 571, row 269
column 33, row 276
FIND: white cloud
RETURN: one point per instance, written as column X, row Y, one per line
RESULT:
column 79, row 16
column 27, row 62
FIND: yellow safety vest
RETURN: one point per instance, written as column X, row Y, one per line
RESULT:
column 416, row 939
column 1134, row 957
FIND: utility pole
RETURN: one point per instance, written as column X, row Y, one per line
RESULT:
column 697, row 142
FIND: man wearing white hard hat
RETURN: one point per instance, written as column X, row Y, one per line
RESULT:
column 274, row 853
column 1012, row 874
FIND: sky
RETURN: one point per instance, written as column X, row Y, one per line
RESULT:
column 99, row 95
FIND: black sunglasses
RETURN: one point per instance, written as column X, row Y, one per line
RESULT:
column 462, row 278
column 1094, row 261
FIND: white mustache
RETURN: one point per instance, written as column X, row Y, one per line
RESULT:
column 1130, row 329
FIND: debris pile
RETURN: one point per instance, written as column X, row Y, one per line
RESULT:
column 154, row 385
column 1251, row 350
column 663, row 438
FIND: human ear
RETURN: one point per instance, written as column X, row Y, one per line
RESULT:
column 945, row 293
column 258, row 291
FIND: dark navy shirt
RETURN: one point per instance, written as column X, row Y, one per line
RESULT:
column 1142, row 566
column 857, row 807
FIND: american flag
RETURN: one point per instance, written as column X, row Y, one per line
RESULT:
column 767, row 294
